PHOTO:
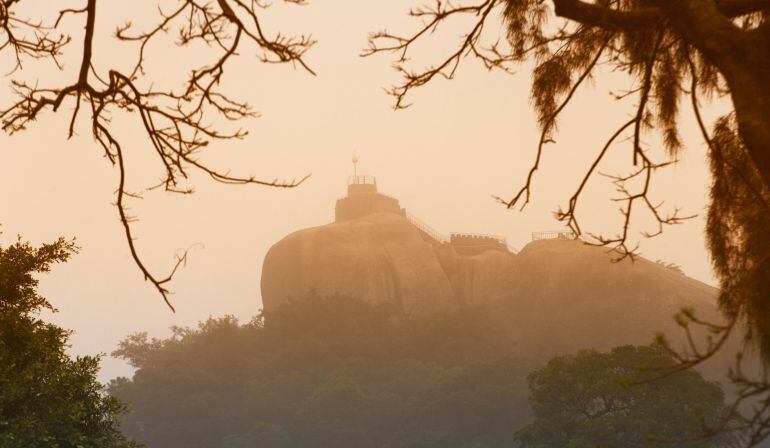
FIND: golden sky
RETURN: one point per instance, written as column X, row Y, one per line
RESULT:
column 460, row 143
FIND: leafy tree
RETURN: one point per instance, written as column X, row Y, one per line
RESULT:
column 619, row 399
column 326, row 373
column 47, row 399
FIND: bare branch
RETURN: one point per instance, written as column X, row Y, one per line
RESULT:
column 176, row 124
column 469, row 44
column 525, row 191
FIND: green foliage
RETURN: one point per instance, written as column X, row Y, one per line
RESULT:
column 330, row 372
column 620, row 399
column 338, row 372
column 18, row 264
column 47, row 399
column 738, row 223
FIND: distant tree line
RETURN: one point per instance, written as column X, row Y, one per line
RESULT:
column 325, row 373
column 338, row 372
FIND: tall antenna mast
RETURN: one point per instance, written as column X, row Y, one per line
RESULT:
column 355, row 166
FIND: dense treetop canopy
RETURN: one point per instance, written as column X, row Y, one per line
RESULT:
column 618, row 399
column 326, row 373
column 340, row 372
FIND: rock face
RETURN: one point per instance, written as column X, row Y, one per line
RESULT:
column 561, row 296
column 376, row 251
column 475, row 279
column 378, row 257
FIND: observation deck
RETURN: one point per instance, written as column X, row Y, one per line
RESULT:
column 364, row 199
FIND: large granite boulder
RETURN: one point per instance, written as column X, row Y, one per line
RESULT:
column 378, row 257
column 476, row 278
column 560, row 296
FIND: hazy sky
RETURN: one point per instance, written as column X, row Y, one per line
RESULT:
column 460, row 143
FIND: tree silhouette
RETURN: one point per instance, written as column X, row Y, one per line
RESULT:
column 177, row 123
column 613, row 399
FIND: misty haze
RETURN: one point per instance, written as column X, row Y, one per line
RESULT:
column 306, row 224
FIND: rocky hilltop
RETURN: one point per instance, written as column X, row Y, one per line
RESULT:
column 376, row 251
column 560, row 296
column 556, row 295
column 379, row 257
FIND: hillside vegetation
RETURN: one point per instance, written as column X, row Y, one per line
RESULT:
column 335, row 372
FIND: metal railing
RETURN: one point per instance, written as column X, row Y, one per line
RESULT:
column 497, row 238
column 432, row 233
column 553, row 235
column 439, row 238
column 362, row 180
column 501, row 240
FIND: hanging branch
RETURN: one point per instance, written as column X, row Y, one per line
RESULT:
column 747, row 414
column 547, row 130
column 176, row 124
column 28, row 39
column 432, row 17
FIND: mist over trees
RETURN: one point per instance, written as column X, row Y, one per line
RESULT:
column 332, row 372
column 325, row 373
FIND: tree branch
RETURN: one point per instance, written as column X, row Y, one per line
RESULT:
column 176, row 124
column 591, row 14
